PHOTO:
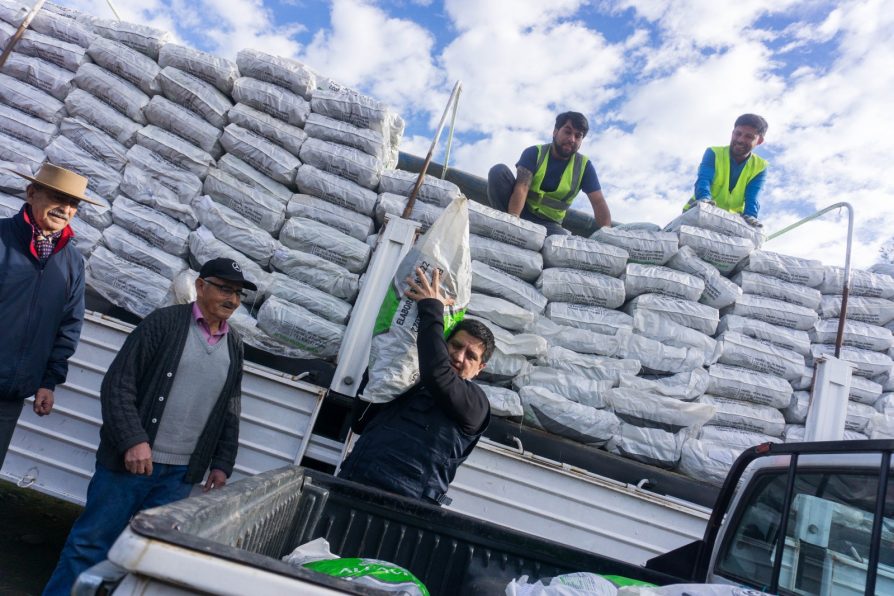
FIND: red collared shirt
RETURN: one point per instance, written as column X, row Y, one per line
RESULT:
column 211, row 338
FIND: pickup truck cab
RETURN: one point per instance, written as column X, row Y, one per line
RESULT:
column 801, row 518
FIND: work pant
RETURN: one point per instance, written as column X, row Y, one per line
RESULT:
column 112, row 499
column 500, row 182
column 9, row 416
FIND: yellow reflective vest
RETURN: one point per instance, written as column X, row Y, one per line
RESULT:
column 731, row 200
column 553, row 204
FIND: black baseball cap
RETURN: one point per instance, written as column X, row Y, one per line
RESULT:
column 228, row 269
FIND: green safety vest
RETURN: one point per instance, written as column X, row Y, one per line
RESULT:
column 553, row 204
column 731, row 200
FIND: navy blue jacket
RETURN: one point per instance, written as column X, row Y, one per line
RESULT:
column 41, row 310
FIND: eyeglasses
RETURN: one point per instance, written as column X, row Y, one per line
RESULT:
column 227, row 291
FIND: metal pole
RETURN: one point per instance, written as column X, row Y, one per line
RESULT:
column 450, row 136
column 115, row 12
column 20, row 32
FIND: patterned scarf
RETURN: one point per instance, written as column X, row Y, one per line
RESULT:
column 43, row 245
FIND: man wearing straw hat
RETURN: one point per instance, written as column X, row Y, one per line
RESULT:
column 41, row 295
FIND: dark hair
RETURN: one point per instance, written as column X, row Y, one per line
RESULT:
column 479, row 331
column 754, row 121
column 578, row 121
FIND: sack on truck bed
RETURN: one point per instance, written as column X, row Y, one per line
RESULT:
column 864, row 391
column 196, row 95
column 31, row 100
column 500, row 311
column 652, row 325
column 771, row 287
column 863, row 283
column 561, row 284
column 502, row 367
column 658, row 357
column 144, row 39
column 875, row 311
column 41, row 74
column 287, row 136
column 235, row 230
column 344, row 220
column 391, row 204
column 112, row 89
column 62, row 28
column 335, row 190
column 742, row 384
column 493, row 282
column 720, row 250
column 156, row 228
column 125, row 284
column 807, row 272
column 640, row 408
column 233, row 165
column 684, row 386
column 582, row 253
column 582, row 341
column 503, row 402
column 164, row 113
column 855, row 334
column 655, row 279
column 524, row 264
column 55, row 51
column 80, row 104
column 86, row 238
column 15, row 151
column 571, row 386
column 746, row 416
column 739, row 439
column 559, row 416
column 715, row 219
column 95, row 142
column 651, row 446
column 271, row 99
column 347, row 162
column 304, row 295
column 719, row 291
column 740, row 350
column 317, row 272
column 132, row 66
column 500, row 226
column 97, row 216
column 19, row 125
column 393, row 359
column 707, row 461
column 642, row 246
column 321, row 240
column 144, row 188
column 102, row 179
column 268, row 158
column 217, row 71
column 360, row 110
column 291, row 74
column 696, row 316
column 866, row 363
column 433, row 190
column 595, row 318
column 587, row 365
column 136, row 250
column 528, row 345
column 185, row 185
column 368, row 141
column 790, row 339
column 775, row 312
column 261, row 209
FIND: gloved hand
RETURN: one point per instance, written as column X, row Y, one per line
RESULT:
column 708, row 201
column 752, row 221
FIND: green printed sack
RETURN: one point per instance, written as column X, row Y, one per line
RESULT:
column 393, row 359
column 377, row 574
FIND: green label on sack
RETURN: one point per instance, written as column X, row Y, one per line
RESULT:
column 451, row 318
column 387, row 311
column 382, row 571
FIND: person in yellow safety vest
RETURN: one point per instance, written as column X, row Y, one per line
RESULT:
column 548, row 179
column 732, row 176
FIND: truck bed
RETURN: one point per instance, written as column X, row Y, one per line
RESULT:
column 256, row 521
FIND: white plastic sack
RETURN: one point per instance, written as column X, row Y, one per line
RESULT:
column 747, row 352
column 220, row 72
column 707, row 461
column 805, row 381
column 347, row 162
column 394, row 360
column 183, row 184
column 711, row 217
column 129, row 64
column 875, row 311
column 559, row 416
column 560, row 284
column 86, row 237
column 866, row 363
column 807, row 272
column 655, row 279
column 746, row 416
column 528, row 345
column 740, row 439
column 503, row 402
column 145, row 188
column 661, row 358
column 97, row 216
column 772, row 287
column 855, row 334
column 317, row 272
column 864, row 391
column 154, row 227
column 266, row 157
column 271, row 99
column 125, row 284
column 587, row 365
column 344, row 220
column 863, row 283
column 261, row 209
column 142, row 38
column 720, row 250
column 287, row 136
column 15, row 151
column 580, row 340
column 595, row 318
column 696, row 316
column 883, row 268
column 300, row 328
column 80, row 104
column 858, row 416
column 12, row 183
column 577, row 388
column 235, row 230
column 31, row 100
column 654, row 326
column 433, row 190
column 368, row 141
column 493, row 282
column 775, row 312
column 571, row 584
column 642, row 246
column 203, row 247
column 56, row 51
column 791, row 339
column 136, row 250
column 719, row 291
column 743, row 384
column 502, row 367
column 318, row 302
column 233, row 165
column 393, row 205
column 101, row 179
column 491, row 223
column 640, row 408
column 583, row 253
column 39, row 73
column 62, row 28
column 685, row 386
column 94, row 141
column 522, row 263
column 323, row 241
column 19, row 125
column 196, row 95
column 112, row 89
column 360, row 110
column 164, row 113
column 652, row 446
column 13, row 13
column 252, row 335
column 336, row 190
column 290, row 74
column 500, row 311
column 9, row 205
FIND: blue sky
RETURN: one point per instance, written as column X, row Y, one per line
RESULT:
column 659, row 81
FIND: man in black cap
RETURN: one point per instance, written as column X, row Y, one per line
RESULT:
column 170, row 411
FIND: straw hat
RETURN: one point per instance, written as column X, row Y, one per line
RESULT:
column 62, row 181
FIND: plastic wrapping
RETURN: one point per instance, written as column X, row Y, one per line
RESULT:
column 323, row 241
column 864, row 391
column 19, row 125
column 368, row 141
column 502, row 312
column 522, row 263
column 771, row 287
column 563, row 417
column 775, row 312
column 719, row 291
column 80, row 104
column 9, row 205
column 347, row 162
column 12, row 183
column 592, row 367
column 747, row 352
column 39, row 73
column 196, row 95
column 707, row 461
column 217, row 71
column 132, row 66
column 433, row 190
column 183, row 184
column 136, row 250
column 62, row 28
column 855, row 334
column 661, row 358
column 144, row 39
column 360, row 110
column 271, row 99
column 577, row 388
column 807, row 272
column 265, row 156
column 858, row 416
column 493, row 282
column 528, row 345
column 164, row 113
column 113, row 90
column 287, row 136
column 95, row 142
column 500, row 226
column 745, row 416
column 713, row 218
column 140, row 186
column 582, row 253
column 394, row 205
column 317, row 272
column 15, row 151
column 291, row 74
column 720, row 250
column 156, row 228
column 805, row 381
column 503, row 402
column 502, row 367
column 862, row 283
column 654, row 326
column 55, row 51
column 235, row 230
column 97, row 216
column 696, row 316
column 233, row 165
column 344, row 220
column 318, row 302
column 101, row 179
column 261, row 209
column 652, row 446
column 336, row 190
column 300, row 328
column 125, row 284
column 866, row 363
column 739, row 439
column 580, row 340
column 655, row 279
column 595, row 318
column 742, row 384
column 791, row 339
column 875, row 311
column 560, row 284
column 86, row 238
column 640, row 408
column 31, row 100
column 642, row 246
column 685, row 386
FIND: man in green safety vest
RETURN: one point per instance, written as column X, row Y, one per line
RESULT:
column 548, row 179
column 732, row 176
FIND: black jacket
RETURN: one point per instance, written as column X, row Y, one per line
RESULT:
column 143, row 373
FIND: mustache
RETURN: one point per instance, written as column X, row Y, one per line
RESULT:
column 58, row 213
column 229, row 305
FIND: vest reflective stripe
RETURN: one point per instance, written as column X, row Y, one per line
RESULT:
column 553, row 204
column 732, row 200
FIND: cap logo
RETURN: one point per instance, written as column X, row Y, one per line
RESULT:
column 236, row 267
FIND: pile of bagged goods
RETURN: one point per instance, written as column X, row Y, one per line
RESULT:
column 674, row 347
